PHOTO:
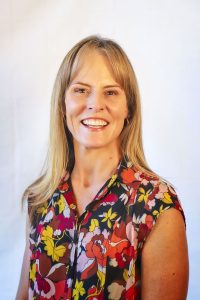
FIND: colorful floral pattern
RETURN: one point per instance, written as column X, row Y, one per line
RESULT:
column 96, row 255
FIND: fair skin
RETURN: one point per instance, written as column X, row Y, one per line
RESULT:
column 165, row 266
column 96, row 107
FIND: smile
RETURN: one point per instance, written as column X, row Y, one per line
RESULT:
column 94, row 123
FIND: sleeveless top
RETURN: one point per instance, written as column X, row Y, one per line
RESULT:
column 96, row 255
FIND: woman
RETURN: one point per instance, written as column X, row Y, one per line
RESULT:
column 101, row 224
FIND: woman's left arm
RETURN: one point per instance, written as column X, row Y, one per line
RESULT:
column 165, row 266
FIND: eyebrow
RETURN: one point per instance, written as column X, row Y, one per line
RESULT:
column 88, row 85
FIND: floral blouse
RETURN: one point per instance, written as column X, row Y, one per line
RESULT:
column 96, row 255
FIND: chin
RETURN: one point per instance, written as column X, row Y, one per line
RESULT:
column 98, row 145
column 94, row 146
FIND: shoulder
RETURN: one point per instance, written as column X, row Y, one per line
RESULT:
column 150, row 197
column 151, row 191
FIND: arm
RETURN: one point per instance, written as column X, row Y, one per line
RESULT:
column 22, row 292
column 165, row 259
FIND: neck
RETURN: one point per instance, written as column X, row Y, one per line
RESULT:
column 93, row 166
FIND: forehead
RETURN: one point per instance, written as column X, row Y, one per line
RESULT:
column 92, row 63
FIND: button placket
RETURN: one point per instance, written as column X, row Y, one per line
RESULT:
column 77, row 241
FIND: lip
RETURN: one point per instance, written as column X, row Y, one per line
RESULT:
column 95, row 118
column 93, row 128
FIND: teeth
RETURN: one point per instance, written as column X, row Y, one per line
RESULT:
column 94, row 122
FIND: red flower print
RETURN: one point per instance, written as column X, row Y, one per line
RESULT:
column 128, row 175
column 148, row 177
column 60, row 287
column 149, row 221
column 110, row 198
column 87, row 217
column 130, row 293
column 132, row 197
column 69, row 196
column 97, row 249
column 153, row 194
column 91, row 292
column 143, row 232
column 43, row 285
column 64, row 186
column 37, row 254
column 118, row 245
column 65, row 223
column 39, row 228
column 125, row 256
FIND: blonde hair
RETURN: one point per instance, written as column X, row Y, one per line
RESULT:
column 60, row 157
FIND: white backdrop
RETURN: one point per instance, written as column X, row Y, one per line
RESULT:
column 162, row 39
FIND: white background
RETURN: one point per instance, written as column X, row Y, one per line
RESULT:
column 161, row 38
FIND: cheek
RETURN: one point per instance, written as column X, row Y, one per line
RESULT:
column 120, row 112
column 72, row 107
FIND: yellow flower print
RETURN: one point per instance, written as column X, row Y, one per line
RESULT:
column 167, row 198
column 94, row 224
column 132, row 273
column 112, row 180
column 78, row 290
column 108, row 217
column 125, row 274
column 61, row 204
column 47, row 233
column 53, row 251
column 157, row 213
column 129, row 273
column 32, row 272
column 143, row 196
column 102, row 278
column 42, row 210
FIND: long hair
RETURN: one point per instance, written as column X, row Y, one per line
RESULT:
column 60, row 158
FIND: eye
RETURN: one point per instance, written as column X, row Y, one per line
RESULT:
column 111, row 92
column 80, row 90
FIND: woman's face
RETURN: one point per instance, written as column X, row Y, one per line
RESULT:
column 96, row 105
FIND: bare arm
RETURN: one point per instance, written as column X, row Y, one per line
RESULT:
column 22, row 292
column 165, row 259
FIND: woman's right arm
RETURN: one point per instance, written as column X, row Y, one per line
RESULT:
column 22, row 292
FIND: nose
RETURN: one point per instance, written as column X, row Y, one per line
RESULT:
column 96, row 102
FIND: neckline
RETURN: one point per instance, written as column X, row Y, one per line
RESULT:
column 99, row 195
